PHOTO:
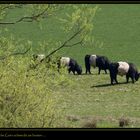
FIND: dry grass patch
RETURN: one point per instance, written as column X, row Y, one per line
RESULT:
column 91, row 123
column 124, row 122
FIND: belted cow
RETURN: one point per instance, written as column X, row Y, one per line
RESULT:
column 71, row 64
column 123, row 68
column 101, row 62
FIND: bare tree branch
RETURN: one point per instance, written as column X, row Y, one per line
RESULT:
column 65, row 43
column 78, row 32
column 80, row 42
column 11, row 6
column 7, row 23
column 6, row 7
column 28, row 18
column 20, row 53
column 16, row 53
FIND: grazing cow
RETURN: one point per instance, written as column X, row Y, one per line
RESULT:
column 71, row 64
column 39, row 57
column 123, row 68
column 101, row 62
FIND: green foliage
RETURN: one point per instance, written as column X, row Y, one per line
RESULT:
column 35, row 9
column 34, row 95
column 27, row 97
column 82, row 16
column 73, row 20
column 11, row 46
column 3, row 10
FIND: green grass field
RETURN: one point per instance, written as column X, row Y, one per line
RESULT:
column 90, row 97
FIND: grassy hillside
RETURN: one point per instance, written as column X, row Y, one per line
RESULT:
column 90, row 97
column 117, row 26
column 115, row 31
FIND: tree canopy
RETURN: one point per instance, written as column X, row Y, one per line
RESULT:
column 77, row 24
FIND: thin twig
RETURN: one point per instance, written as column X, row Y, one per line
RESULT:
column 27, row 18
column 65, row 43
column 16, row 53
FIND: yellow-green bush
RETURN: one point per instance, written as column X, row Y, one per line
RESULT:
column 26, row 96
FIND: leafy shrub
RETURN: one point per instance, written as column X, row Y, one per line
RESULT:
column 26, row 97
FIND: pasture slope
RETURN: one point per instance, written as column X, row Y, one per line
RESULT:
column 90, row 97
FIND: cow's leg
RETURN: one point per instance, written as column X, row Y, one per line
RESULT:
column 133, row 78
column 73, row 72
column 89, row 71
column 115, row 78
column 86, row 71
column 105, row 71
column 69, row 70
column 111, row 78
column 99, row 71
column 133, row 81
column 88, row 68
column 112, row 81
column 127, row 78
column 72, row 68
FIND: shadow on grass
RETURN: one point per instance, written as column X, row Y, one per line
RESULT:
column 88, row 74
column 107, row 85
column 83, row 74
column 94, row 73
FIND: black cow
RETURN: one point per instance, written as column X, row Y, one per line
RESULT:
column 101, row 62
column 71, row 64
column 123, row 68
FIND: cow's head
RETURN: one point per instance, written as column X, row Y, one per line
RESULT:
column 79, row 70
column 137, row 76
